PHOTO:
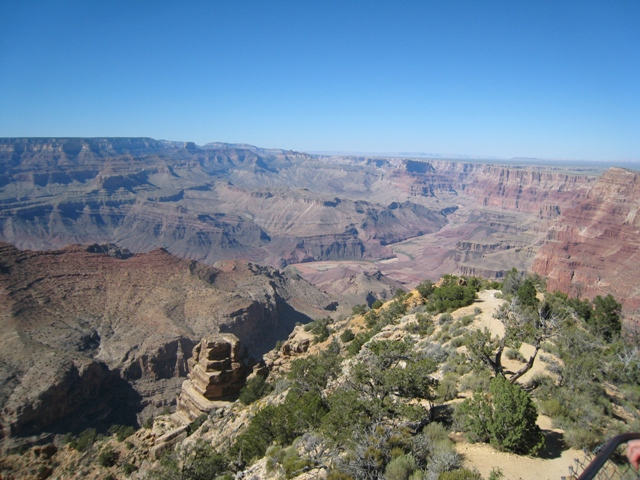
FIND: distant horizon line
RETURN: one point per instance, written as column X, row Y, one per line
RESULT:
column 363, row 153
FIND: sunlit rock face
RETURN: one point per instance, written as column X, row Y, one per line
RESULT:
column 216, row 371
column 270, row 206
column 95, row 332
column 593, row 248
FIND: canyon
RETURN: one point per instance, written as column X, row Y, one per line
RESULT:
column 118, row 256
column 407, row 218
column 93, row 335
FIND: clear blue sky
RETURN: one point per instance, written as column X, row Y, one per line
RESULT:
column 538, row 78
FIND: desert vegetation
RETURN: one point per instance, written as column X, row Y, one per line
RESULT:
column 384, row 393
column 383, row 396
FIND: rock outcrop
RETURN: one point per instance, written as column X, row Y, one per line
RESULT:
column 594, row 248
column 216, row 371
column 276, row 207
column 102, row 337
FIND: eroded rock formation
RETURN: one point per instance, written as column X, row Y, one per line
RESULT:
column 87, row 336
column 216, row 370
column 279, row 207
column 594, row 248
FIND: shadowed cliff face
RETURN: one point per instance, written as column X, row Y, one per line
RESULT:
column 594, row 248
column 104, row 327
column 270, row 206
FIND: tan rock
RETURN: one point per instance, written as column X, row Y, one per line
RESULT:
column 297, row 343
column 216, row 371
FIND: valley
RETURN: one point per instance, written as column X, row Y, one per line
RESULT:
column 278, row 207
column 128, row 263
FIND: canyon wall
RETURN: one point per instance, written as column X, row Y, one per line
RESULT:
column 593, row 248
column 87, row 329
column 278, row 207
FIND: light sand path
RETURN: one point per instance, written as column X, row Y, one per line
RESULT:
column 484, row 457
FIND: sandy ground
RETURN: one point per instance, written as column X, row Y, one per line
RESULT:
column 484, row 458
column 554, row 463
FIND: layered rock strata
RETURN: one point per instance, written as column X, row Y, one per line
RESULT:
column 97, row 334
column 594, row 248
column 216, row 371
column 271, row 206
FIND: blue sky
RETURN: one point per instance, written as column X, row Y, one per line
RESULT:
column 540, row 78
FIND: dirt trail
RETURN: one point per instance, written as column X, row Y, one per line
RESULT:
column 555, row 462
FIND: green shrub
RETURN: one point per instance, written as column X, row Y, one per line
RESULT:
column 313, row 372
column 496, row 474
column 436, row 432
column 457, row 342
column 579, row 438
column 445, row 319
column 606, row 320
column 475, row 382
column 319, row 328
column 337, row 474
column 347, row 336
column 84, row 441
column 347, row 412
column 506, row 418
column 451, row 297
column 456, row 332
column 255, row 388
column 148, row 423
column 395, row 310
column 122, row 432
column 371, row 318
column 512, row 281
column 198, row 461
column 514, row 355
column 551, row 407
column 447, row 388
column 526, row 294
column 422, row 326
column 376, row 305
column 425, row 288
column 631, row 394
column 293, row 464
column 108, row 457
column 400, row 468
column 460, row 474
column 287, row 459
column 513, row 421
column 467, row 319
column 400, row 294
column 128, row 468
column 196, row 424
column 280, row 423
column 360, row 309
column 356, row 344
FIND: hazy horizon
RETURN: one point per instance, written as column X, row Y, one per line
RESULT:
column 484, row 79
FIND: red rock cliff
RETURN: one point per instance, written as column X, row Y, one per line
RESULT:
column 592, row 249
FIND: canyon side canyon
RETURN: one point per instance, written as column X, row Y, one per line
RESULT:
column 118, row 255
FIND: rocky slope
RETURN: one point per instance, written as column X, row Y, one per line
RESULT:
column 95, row 332
column 278, row 207
column 593, row 248
column 209, row 203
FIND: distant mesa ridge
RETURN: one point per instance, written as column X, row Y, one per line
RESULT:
column 278, row 207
